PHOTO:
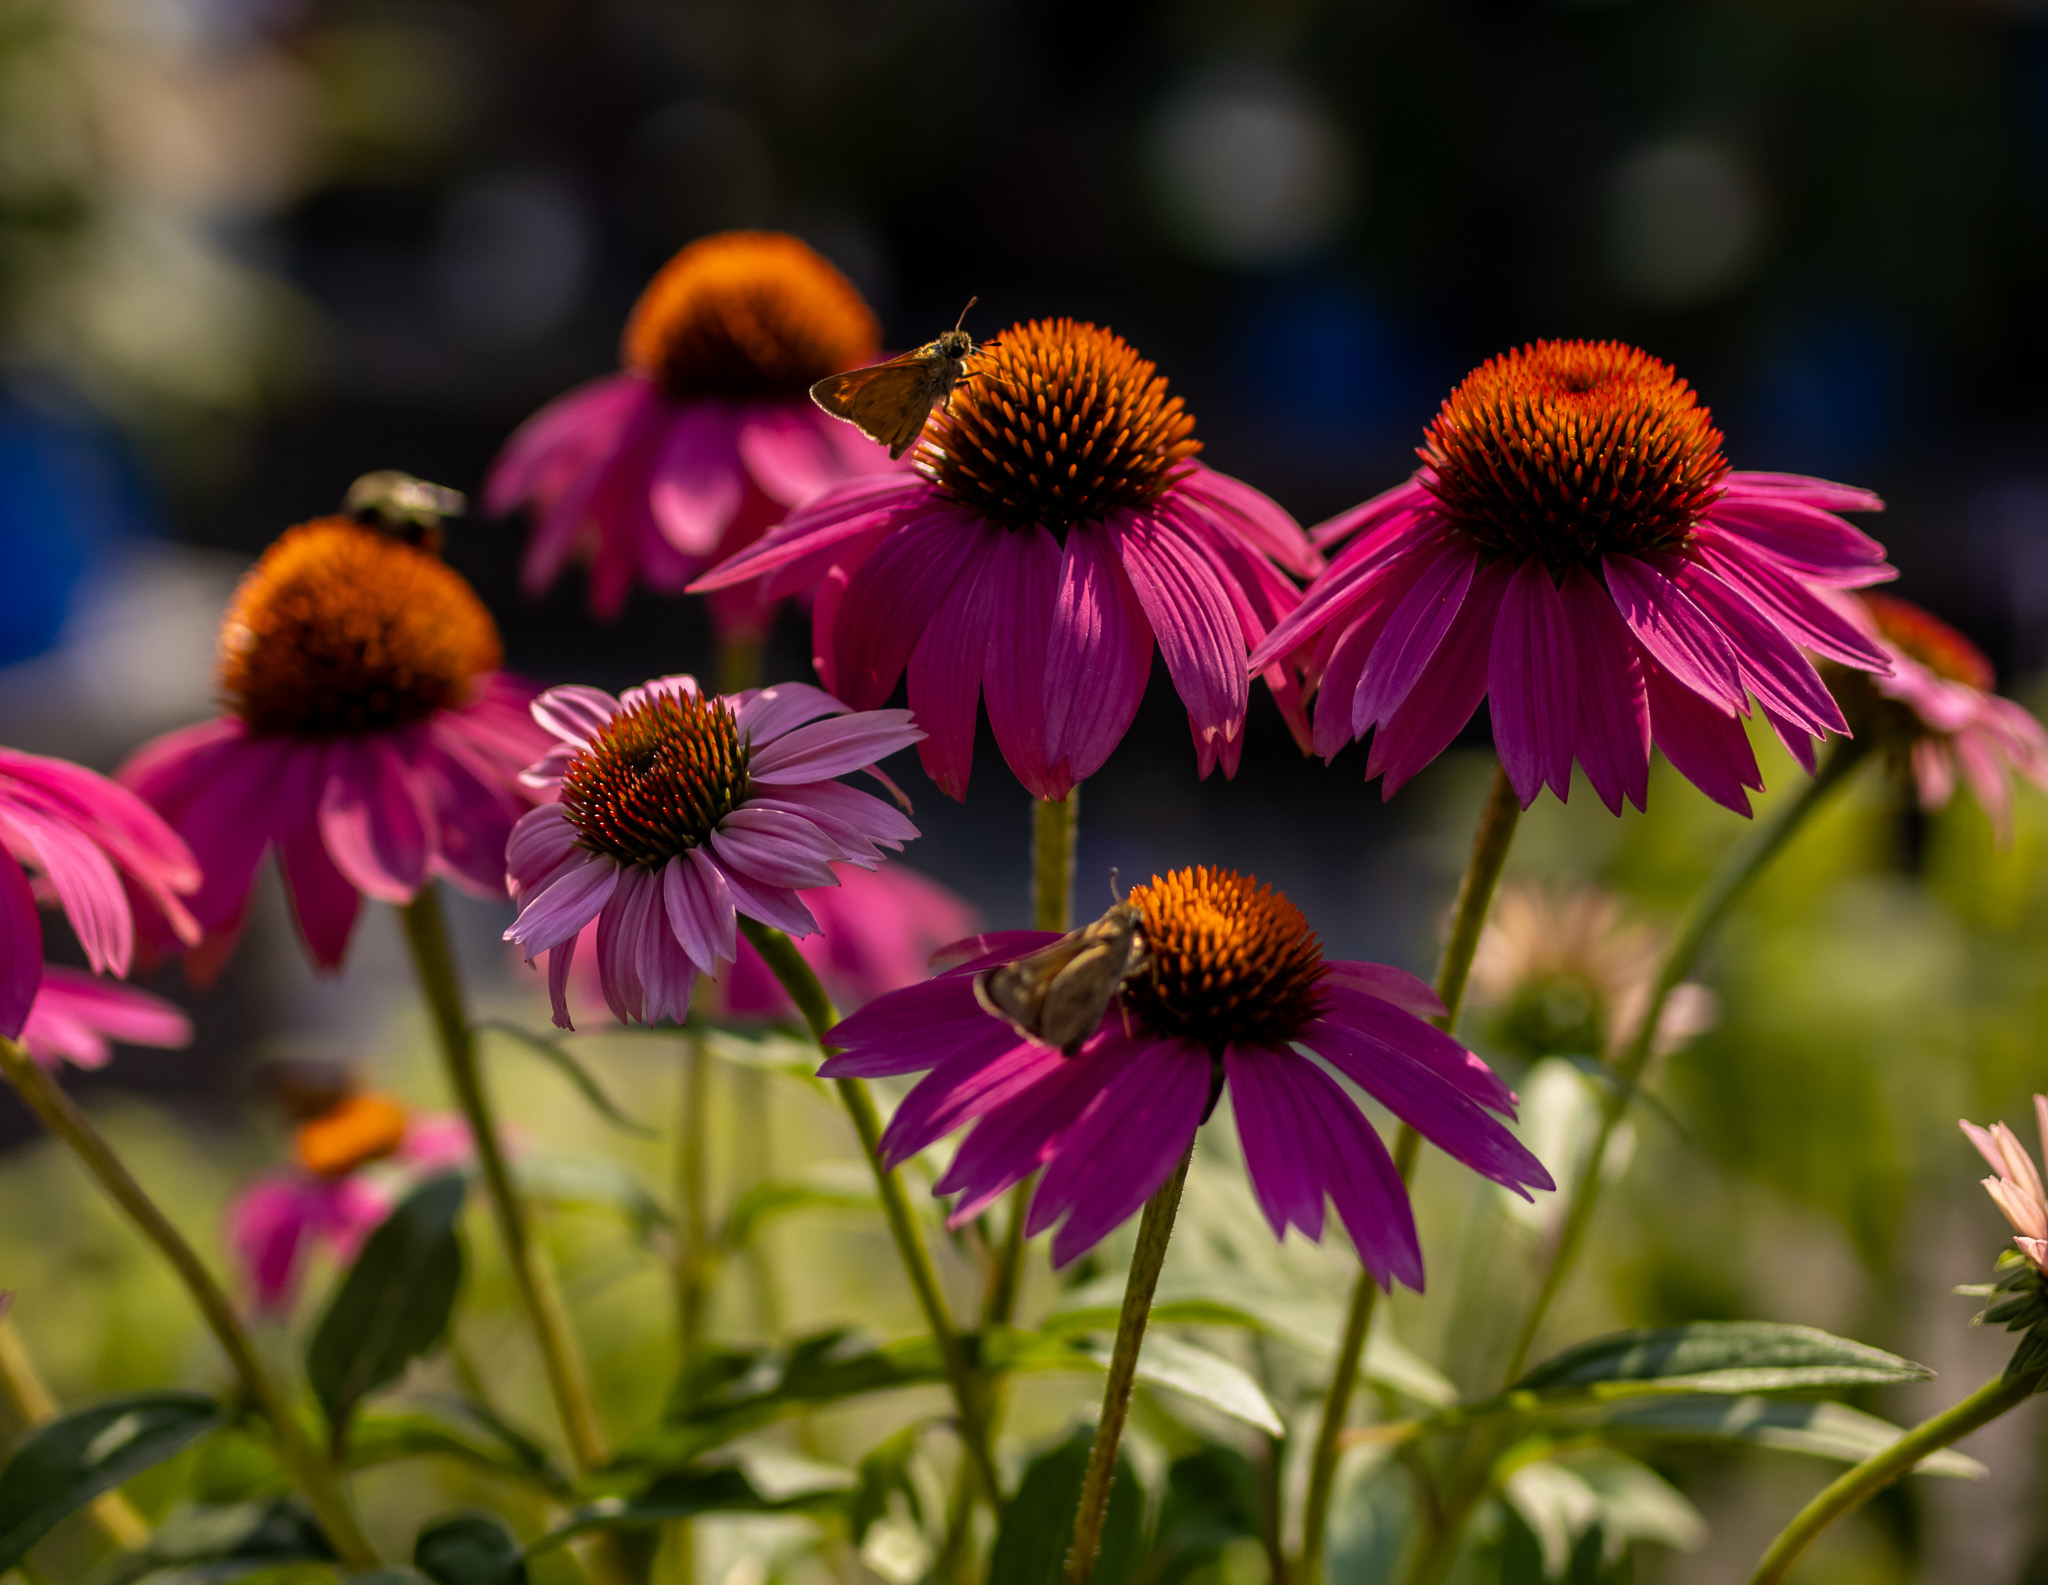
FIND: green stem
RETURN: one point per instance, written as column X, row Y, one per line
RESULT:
column 739, row 662
column 1154, row 1232
column 313, row 1474
column 1053, row 822
column 693, row 1234
column 1724, row 888
column 788, row 966
column 1490, row 844
column 1857, row 1486
column 426, row 932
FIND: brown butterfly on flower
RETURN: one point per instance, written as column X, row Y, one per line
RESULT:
column 889, row 402
column 1059, row 993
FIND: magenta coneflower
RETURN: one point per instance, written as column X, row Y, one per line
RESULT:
column 706, row 437
column 78, row 1017
column 1575, row 549
column 84, row 836
column 1233, row 982
column 1939, row 715
column 369, row 738
column 680, row 812
column 1057, row 524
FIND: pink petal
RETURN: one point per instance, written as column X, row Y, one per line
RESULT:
column 21, row 948
column 1368, row 516
column 566, row 432
column 372, row 823
column 76, row 1014
column 324, row 903
column 1532, row 681
column 1024, row 575
column 1396, row 986
column 574, row 713
column 1013, row 1139
column 1614, row 708
column 1414, row 631
column 696, row 485
column 1257, row 519
column 1771, row 667
column 85, row 881
column 700, row 910
column 1424, row 1045
column 765, row 714
column 848, row 511
column 920, row 1026
column 1703, row 740
column 1098, row 655
column 561, row 958
column 774, row 847
column 1677, row 634
column 829, row 748
column 565, row 905
column 1823, row 493
column 779, row 906
column 1191, row 618
column 631, row 916
column 1443, row 699
column 987, row 1064
column 1797, row 609
column 894, row 598
column 542, row 841
column 944, row 684
column 786, row 450
column 850, row 817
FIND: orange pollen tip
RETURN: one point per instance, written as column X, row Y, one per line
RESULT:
column 1229, row 960
column 1058, row 423
column 363, row 1128
column 1931, row 641
column 1574, row 450
column 657, row 780
column 748, row 314
column 340, row 630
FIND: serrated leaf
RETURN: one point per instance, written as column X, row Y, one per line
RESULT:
column 1194, row 1372
column 62, row 1466
column 1824, row 1430
column 1038, row 1523
column 469, row 1549
column 1718, row 1356
column 566, row 1063
column 223, row 1541
column 394, row 1303
column 451, row 1430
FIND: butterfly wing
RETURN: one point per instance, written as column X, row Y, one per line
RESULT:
column 887, row 402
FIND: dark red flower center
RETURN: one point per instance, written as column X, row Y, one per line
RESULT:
column 1059, row 423
column 1574, row 450
column 1229, row 960
column 748, row 314
column 1931, row 641
column 658, row 779
column 339, row 629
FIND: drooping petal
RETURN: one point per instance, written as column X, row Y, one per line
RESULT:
column 1772, row 668
column 786, row 449
column 779, row 906
column 1098, row 655
column 1614, row 707
column 773, row 847
column 572, row 898
column 87, row 885
column 1804, row 615
column 1422, row 1044
column 1443, row 699
column 1024, row 575
column 374, row 829
column 1676, row 633
column 987, row 1065
column 918, row 1027
column 1703, row 740
column 944, row 684
column 21, row 948
column 1532, row 683
column 893, row 600
column 324, row 902
column 631, row 915
column 833, row 747
column 1198, row 636
column 542, row 841
column 848, row 511
column 696, row 483
column 700, row 910
column 1414, row 631
column 1393, row 985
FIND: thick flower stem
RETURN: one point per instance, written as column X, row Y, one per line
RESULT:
column 788, row 966
column 426, row 932
column 1858, row 1485
column 1724, row 888
column 308, row 1469
column 32, row 1405
column 693, row 1229
column 1154, row 1230
column 1490, row 844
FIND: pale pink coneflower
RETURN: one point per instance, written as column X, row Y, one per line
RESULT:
column 1576, row 551
column 706, row 436
column 1056, row 526
column 678, row 813
column 2017, row 1186
column 369, row 739
column 1233, row 985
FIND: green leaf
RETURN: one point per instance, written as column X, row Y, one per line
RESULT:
column 223, row 1542
column 1038, row 1525
column 592, row 1183
column 773, row 1051
column 1194, row 1372
column 394, row 1303
column 1825, row 1430
column 452, row 1430
column 884, row 1472
column 554, row 1052
column 765, row 1201
column 1212, row 1499
column 687, row 1493
column 62, row 1466
column 469, row 1549
column 387, row 1576
column 1719, row 1356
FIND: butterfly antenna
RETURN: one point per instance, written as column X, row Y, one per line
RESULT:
column 1116, row 890
column 963, row 312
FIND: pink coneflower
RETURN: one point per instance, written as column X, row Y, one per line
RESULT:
column 1056, row 525
column 369, row 738
column 1575, row 549
column 1936, row 713
column 327, row 1197
column 1232, row 983
column 78, row 1017
column 706, row 437
column 84, row 836
column 679, row 813
column 2017, row 1186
